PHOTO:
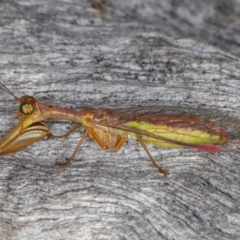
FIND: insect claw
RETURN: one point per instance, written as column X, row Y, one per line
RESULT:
column 164, row 172
column 61, row 164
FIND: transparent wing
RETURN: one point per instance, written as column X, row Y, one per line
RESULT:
column 229, row 121
column 219, row 121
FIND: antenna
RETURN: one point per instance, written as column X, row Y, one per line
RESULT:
column 4, row 88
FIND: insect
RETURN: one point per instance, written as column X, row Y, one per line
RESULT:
column 168, row 127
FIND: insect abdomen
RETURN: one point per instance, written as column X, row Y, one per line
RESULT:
column 186, row 135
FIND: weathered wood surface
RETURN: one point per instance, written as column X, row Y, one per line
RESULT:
column 215, row 22
column 69, row 54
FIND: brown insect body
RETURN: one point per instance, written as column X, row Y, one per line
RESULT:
column 170, row 127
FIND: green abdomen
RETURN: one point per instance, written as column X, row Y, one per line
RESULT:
column 192, row 135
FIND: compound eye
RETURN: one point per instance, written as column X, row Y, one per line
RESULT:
column 26, row 108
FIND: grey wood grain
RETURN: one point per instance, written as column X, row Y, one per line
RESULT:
column 214, row 22
column 66, row 53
